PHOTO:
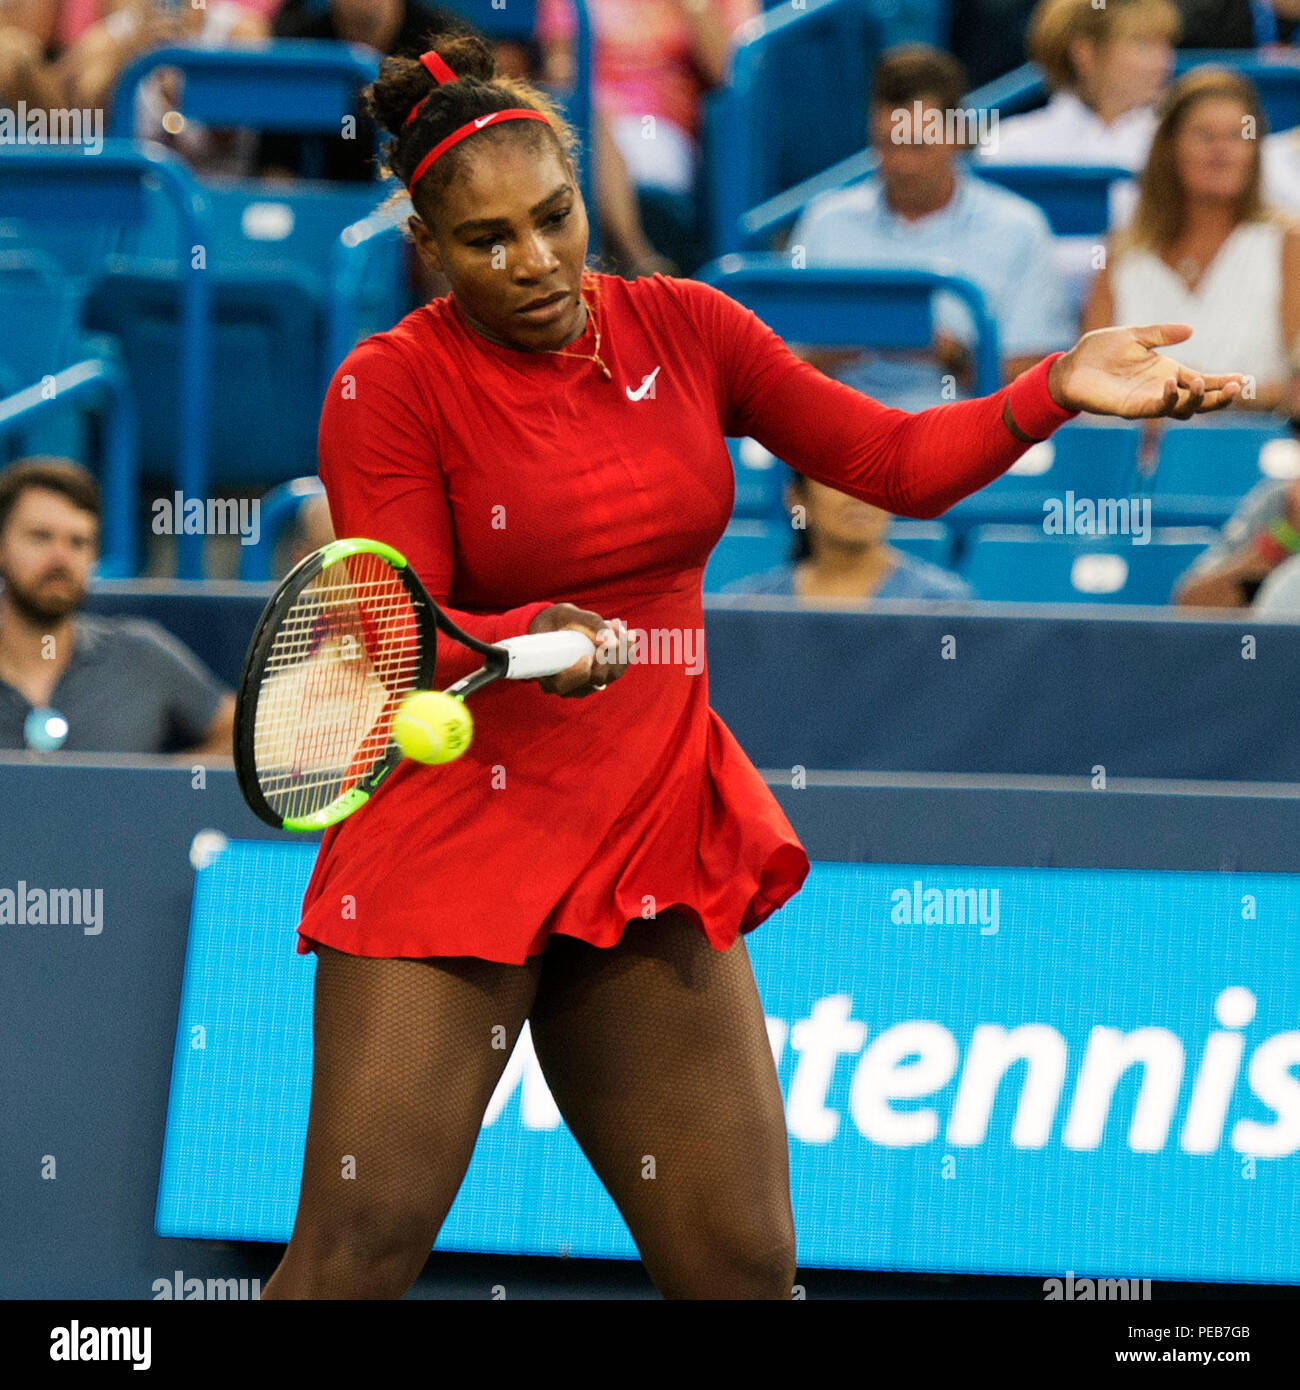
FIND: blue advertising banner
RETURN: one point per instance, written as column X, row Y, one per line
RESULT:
column 990, row 1070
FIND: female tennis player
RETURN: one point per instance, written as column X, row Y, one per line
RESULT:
column 546, row 446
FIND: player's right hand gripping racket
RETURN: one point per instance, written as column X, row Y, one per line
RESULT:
column 348, row 635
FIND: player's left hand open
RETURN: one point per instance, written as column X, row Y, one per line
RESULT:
column 1116, row 371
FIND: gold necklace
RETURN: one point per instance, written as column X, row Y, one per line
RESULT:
column 593, row 356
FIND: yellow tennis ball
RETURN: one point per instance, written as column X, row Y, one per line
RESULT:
column 432, row 726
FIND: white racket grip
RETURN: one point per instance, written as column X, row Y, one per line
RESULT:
column 539, row 654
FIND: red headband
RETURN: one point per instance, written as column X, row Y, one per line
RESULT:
column 442, row 73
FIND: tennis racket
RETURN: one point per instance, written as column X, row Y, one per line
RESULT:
column 349, row 634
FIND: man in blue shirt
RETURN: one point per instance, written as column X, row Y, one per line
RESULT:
column 74, row 680
column 922, row 208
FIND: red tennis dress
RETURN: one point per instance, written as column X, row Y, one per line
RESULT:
column 514, row 479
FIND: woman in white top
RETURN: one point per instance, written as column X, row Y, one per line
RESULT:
column 1106, row 65
column 1204, row 249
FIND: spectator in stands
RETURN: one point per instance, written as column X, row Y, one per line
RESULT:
column 70, row 19
column 121, row 685
column 1254, row 563
column 922, row 208
column 389, row 27
column 1106, row 67
column 842, row 553
column 1203, row 247
column 40, row 18
column 93, row 65
column 654, row 61
column 26, row 43
column 628, row 249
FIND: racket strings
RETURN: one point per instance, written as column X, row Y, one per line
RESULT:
column 344, row 655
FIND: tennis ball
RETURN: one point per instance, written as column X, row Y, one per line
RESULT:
column 432, row 726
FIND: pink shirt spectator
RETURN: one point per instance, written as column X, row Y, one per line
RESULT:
column 643, row 53
column 76, row 16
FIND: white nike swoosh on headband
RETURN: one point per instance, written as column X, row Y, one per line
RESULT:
column 481, row 121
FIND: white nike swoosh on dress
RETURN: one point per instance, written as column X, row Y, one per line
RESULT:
column 639, row 393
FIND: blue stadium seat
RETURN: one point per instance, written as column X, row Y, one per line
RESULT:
column 1019, row 564
column 274, row 261
column 261, row 225
column 857, row 307
column 825, row 53
column 267, row 257
column 53, row 379
column 923, row 540
column 1075, row 199
column 270, row 266
column 100, row 384
column 76, row 247
column 747, row 547
column 266, row 336
column 760, row 480
column 1204, row 468
column 1089, row 460
column 41, row 314
column 308, row 86
column 298, row 85
column 58, row 185
column 1277, row 80
column 40, row 311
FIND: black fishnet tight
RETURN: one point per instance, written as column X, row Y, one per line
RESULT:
column 656, row 1053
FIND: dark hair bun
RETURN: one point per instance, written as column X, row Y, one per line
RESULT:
column 403, row 82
